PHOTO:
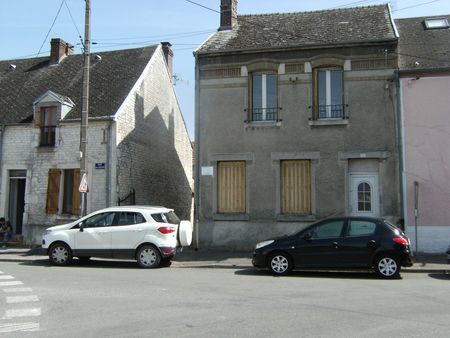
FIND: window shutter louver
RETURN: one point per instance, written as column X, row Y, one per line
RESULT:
column 231, row 187
column 54, row 176
column 296, row 187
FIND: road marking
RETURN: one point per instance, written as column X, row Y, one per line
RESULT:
column 22, row 313
column 17, row 290
column 21, row 299
column 6, row 277
column 5, row 328
column 16, row 282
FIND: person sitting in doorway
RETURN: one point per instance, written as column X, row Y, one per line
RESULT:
column 5, row 232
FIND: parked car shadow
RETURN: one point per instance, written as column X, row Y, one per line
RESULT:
column 364, row 274
column 442, row 276
column 94, row 263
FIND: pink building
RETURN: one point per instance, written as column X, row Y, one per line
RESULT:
column 424, row 61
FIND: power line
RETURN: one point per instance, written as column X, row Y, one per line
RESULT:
column 420, row 4
column 51, row 27
column 161, row 36
column 74, row 23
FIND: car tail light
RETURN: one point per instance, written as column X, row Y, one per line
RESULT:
column 401, row 240
column 168, row 251
column 167, row 230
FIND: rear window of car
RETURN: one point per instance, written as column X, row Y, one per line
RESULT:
column 166, row 217
column 361, row 228
column 394, row 228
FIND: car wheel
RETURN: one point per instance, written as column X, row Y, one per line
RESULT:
column 387, row 266
column 148, row 256
column 60, row 254
column 280, row 263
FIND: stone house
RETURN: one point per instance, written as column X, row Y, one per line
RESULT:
column 296, row 120
column 424, row 82
column 138, row 146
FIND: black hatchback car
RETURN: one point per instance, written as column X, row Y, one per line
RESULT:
column 342, row 243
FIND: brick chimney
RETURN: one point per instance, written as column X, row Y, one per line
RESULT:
column 59, row 50
column 168, row 55
column 228, row 14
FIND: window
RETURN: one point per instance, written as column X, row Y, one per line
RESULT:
column 62, row 192
column 264, row 97
column 328, row 93
column 361, row 228
column 364, row 197
column 436, row 23
column 231, row 186
column 331, row 229
column 104, row 219
column 47, row 122
column 129, row 218
column 296, row 187
column 168, row 217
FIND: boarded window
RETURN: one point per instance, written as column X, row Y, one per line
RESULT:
column 296, row 187
column 231, row 187
column 54, row 176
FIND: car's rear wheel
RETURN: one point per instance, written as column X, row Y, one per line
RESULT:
column 60, row 254
column 280, row 263
column 387, row 266
column 148, row 256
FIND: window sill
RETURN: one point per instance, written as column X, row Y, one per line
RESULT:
column 328, row 122
column 231, row 217
column 66, row 217
column 262, row 124
column 295, row 218
column 46, row 149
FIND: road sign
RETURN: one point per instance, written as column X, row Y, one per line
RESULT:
column 83, row 184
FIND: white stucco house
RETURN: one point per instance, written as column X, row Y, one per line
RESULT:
column 139, row 151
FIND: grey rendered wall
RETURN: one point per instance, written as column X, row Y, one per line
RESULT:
column 154, row 153
column 225, row 136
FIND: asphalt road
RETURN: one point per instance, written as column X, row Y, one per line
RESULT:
column 117, row 299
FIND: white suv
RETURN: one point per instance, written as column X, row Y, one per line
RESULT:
column 145, row 233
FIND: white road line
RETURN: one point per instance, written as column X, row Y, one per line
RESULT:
column 5, row 328
column 21, row 299
column 16, row 282
column 9, row 290
column 6, row 277
column 22, row 313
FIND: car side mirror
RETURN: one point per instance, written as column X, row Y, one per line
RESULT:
column 307, row 236
column 81, row 225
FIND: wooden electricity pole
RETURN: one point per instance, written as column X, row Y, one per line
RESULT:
column 85, row 111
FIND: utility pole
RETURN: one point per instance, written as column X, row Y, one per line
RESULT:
column 85, row 109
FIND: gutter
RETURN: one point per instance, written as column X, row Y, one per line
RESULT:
column 400, row 142
column 197, row 154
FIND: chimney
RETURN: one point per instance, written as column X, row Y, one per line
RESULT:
column 59, row 50
column 168, row 55
column 228, row 14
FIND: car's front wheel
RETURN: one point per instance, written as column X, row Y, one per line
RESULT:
column 148, row 256
column 60, row 254
column 386, row 266
column 280, row 263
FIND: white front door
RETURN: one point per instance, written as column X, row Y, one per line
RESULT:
column 364, row 195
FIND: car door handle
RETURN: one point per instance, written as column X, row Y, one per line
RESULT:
column 371, row 243
column 138, row 230
column 335, row 245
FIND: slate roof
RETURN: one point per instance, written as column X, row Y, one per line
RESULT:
column 429, row 47
column 304, row 29
column 111, row 79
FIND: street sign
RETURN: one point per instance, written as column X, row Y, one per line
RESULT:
column 83, row 184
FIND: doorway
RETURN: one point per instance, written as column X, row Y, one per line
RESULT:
column 364, row 195
column 16, row 205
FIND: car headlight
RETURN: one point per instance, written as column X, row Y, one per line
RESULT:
column 263, row 244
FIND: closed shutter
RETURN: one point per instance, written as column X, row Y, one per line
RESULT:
column 231, row 187
column 38, row 118
column 76, row 193
column 296, row 187
column 54, row 176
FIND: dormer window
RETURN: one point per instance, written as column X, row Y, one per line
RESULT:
column 436, row 23
column 48, row 126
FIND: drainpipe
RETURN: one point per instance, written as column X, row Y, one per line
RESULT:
column 401, row 160
column 108, row 164
column 197, row 155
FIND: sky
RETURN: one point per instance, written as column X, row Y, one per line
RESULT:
column 27, row 26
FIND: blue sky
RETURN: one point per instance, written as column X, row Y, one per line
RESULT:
column 119, row 24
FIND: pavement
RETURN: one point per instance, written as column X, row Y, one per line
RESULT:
column 206, row 258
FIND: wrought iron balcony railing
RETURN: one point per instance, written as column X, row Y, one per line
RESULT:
column 333, row 111
column 48, row 134
column 264, row 114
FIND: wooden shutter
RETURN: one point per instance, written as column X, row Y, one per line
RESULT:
column 296, row 187
column 54, row 176
column 38, row 118
column 231, row 187
column 76, row 193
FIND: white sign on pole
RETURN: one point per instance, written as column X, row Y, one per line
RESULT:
column 83, row 184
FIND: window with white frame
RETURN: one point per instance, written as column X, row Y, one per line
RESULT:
column 264, row 97
column 328, row 93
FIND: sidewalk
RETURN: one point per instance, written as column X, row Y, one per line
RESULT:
column 203, row 258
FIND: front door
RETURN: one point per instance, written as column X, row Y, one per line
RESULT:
column 17, row 181
column 364, row 195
